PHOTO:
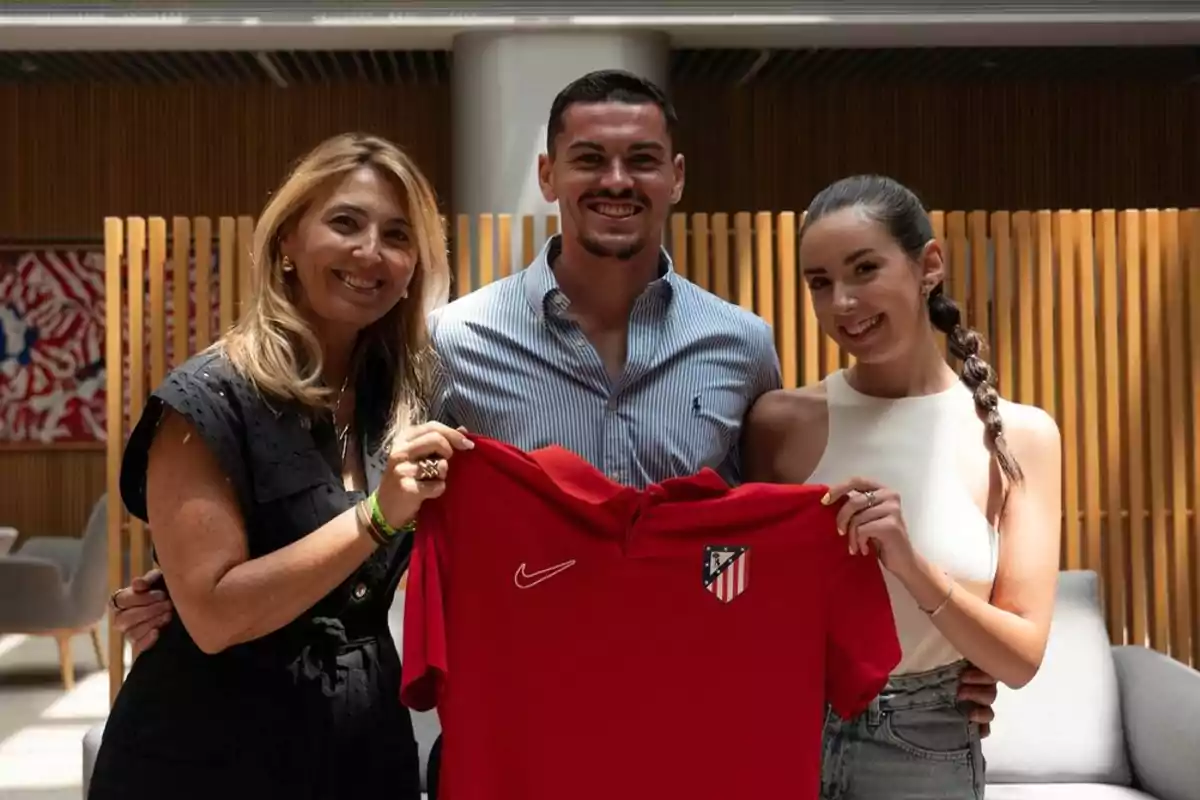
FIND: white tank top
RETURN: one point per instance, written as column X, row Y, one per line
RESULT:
column 913, row 445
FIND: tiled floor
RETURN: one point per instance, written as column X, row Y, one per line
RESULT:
column 42, row 726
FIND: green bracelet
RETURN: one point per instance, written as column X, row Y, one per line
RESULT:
column 379, row 520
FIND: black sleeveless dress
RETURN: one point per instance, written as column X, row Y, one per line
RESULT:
column 311, row 711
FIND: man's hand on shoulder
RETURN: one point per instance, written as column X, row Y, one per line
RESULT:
column 978, row 689
column 141, row 611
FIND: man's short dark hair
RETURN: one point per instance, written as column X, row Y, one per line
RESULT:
column 607, row 86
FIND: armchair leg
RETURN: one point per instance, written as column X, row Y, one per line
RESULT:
column 65, row 661
column 95, row 633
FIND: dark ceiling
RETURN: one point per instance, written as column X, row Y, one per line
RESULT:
column 1165, row 64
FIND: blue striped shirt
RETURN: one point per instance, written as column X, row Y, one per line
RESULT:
column 516, row 368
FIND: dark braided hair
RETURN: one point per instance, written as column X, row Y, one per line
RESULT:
column 894, row 206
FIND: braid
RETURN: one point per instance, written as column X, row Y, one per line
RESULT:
column 966, row 345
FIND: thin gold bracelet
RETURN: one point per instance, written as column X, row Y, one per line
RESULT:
column 945, row 601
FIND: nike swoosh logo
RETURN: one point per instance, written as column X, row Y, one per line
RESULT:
column 524, row 579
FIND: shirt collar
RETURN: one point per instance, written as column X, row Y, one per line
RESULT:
column 541, row 287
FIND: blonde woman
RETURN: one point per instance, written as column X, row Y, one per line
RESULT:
column 278, row 471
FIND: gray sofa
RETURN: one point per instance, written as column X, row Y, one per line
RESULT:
column 1097, row 723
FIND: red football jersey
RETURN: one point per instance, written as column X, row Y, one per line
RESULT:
column 582, row 640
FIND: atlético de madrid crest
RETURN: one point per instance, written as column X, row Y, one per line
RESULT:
column 726, row 570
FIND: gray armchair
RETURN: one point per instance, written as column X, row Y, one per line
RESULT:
column 58, row 586
column 1098, row 721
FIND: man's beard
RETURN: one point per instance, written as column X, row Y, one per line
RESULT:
column 621, row 254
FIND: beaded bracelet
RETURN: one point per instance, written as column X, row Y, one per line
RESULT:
column 371, row 515
column 377, row 516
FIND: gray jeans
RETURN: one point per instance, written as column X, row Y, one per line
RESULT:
column 913, row 742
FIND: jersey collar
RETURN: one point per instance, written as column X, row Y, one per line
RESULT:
column 693, row 503
column 584, row 482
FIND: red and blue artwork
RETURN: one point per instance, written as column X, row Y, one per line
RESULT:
column 52, row 346
column 52, row 351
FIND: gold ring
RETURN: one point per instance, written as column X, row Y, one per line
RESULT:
column 870, row 495
column 112, row 598
column 427, row 469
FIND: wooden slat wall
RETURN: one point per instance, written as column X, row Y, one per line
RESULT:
column 958, row 144
column 1094, row 316
column 49, row 490
column 71, row 154
column 136, row 267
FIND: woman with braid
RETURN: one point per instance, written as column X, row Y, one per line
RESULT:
column 954, row 490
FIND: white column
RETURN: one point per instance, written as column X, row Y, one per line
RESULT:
column 503, row 85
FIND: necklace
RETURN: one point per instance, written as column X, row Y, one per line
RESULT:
column 343, row 435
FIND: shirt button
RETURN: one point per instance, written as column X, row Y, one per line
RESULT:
column 360, row 591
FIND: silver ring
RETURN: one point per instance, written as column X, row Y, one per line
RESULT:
column 427, row 469
column 870, row 495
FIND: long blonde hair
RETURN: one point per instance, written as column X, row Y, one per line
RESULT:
column 275, row 348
